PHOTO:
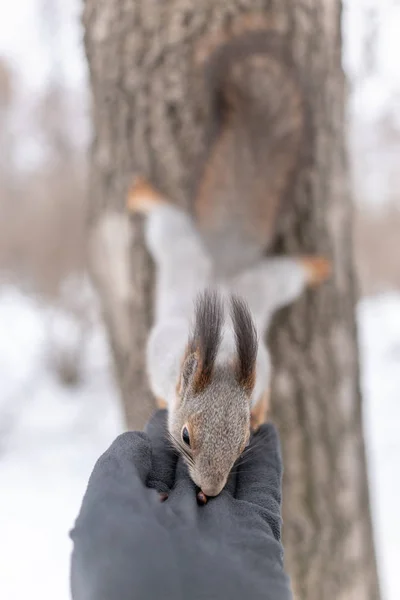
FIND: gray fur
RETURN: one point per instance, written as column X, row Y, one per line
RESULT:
column 222, row 420
column 219, row 413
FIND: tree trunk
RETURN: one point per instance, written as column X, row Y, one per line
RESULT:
column 149, row 118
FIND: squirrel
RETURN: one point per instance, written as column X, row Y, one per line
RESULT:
column 211, row 373
column 216, row 292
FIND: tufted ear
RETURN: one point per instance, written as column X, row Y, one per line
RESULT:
column 189, row 366
column 204, row 340
column 246, row 344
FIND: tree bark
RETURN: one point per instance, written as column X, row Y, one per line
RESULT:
column 148, row 118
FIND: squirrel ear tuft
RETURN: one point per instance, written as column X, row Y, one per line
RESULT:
column 246, row 344
column 189, row 367
column 206, row 337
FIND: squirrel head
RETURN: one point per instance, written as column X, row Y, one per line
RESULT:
column 210, row 423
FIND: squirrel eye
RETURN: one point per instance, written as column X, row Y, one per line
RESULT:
column 185, row 436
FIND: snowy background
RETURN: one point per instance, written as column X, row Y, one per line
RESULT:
column 58, row 401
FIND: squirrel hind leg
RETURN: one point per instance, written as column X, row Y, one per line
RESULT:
column 143, row 197
column 317, row 268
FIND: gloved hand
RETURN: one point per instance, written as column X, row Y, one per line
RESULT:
column 129, row 545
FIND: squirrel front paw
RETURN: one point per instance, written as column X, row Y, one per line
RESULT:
column 259, row 412
column 142, row 196
column 161, row 403
column 318, row 269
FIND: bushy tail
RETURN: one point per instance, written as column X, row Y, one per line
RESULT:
column 257, row 119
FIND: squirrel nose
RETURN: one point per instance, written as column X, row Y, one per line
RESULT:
column 213, row 490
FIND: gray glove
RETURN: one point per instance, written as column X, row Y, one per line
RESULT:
column 128, row 545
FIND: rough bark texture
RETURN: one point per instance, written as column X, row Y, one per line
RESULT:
column 148, row 118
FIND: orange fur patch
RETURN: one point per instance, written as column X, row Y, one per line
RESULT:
column 142, row 196
column 161, row 403
column 259, row 413
column 250, row 381
column 201, row 379
column 318, row 269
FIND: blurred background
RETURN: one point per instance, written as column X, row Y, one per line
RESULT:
column 58, row 401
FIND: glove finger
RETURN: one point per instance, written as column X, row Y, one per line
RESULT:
column 164, row 456
column 259, row 478
column 128, row 458
column 183, row 483
column 182, row 498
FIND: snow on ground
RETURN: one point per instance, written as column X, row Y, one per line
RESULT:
column 51, row 435
column 379, row 327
